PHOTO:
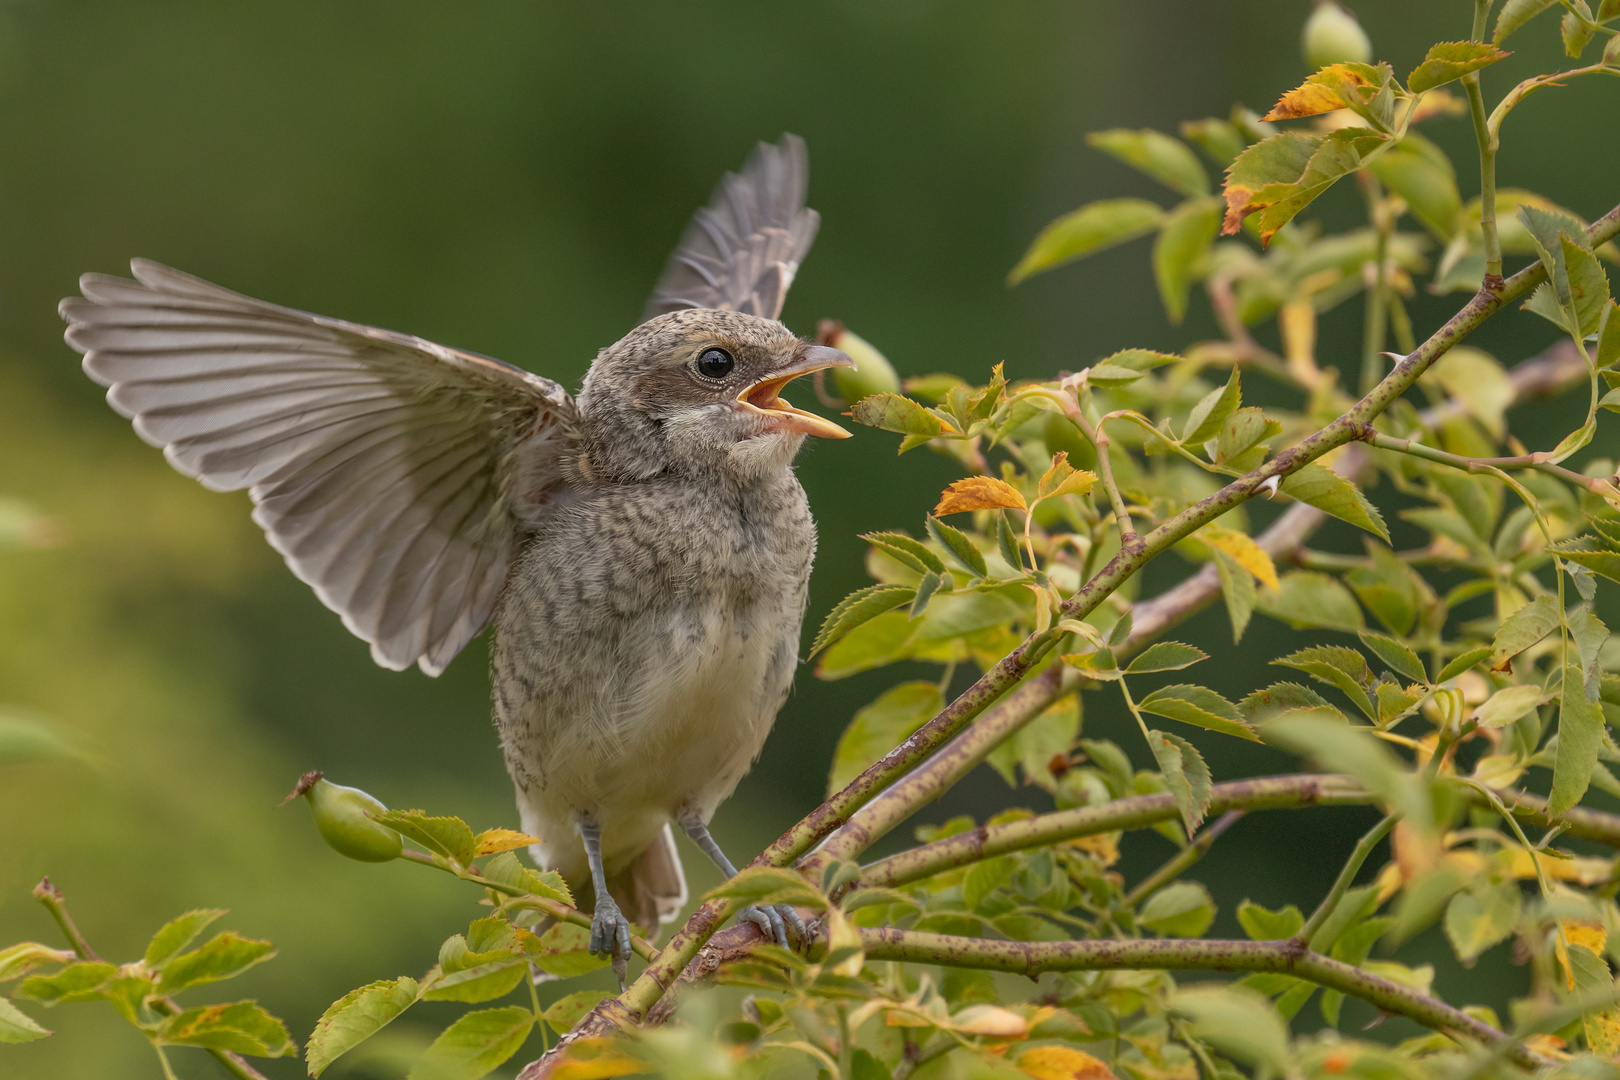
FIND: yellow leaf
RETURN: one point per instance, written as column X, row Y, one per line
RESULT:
column 595, row 1059
column 1105, row 846
column 1322, row 92
column 1586, row 932
column 494, row 841
column 1061, row 1063
column 979, row 493
column 990, row 1020
column 1249, row 555
column 1063, row 479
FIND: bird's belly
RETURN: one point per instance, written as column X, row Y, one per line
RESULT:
column 667, row 730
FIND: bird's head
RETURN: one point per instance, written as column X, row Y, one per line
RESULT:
column 697, row 390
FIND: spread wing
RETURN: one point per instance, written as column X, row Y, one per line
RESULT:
column 395, row 475
column 741, row 251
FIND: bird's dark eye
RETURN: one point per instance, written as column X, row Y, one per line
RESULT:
column 715, row 363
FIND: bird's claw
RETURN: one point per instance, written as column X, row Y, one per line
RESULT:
column 610, row 932
column 774, row 923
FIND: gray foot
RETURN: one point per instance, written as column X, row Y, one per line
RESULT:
column 610, row 930
column 775, row 922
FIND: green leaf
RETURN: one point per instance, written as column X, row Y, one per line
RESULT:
column 926, row 588
column 1394, row 702
column 475, row 985
column 1285, row 697
column 1034, row 746
column 1401, row 660
column 1186, row 775
column 859, row 607
column 1523, row 629
column 1606, row 563
column 225, row 956
column 241, row 1027
column 1420, row 173
column 1423, row 898
column 1590, row 635
column 561, row 951
column 769, row 885
column 1167, row 160
column 356, row 1017
column 1333, row 494
column 1449, row 61
column 913, row 553
column 984, row 878
column 19, row 959
column 449, row 837
column 1090, row 229
column 1478, row 383
column 1217, row 138
column 1199, row 706
column 1184, row 239
column 895, row 412
column 1263, row 924
column 507, row 870
column 1608, row 345
column 1514, row 14
column 1007, row 544
column 1340, row 747
column 1336, row 666
column 1577, row 34
column 1181, row 909
column 475, row 1044
column 1127, row 366
column 1580, row 738
column 963, row 550
column 565, row 1012
column 1166, row 656
column 1481, row 917
column 1506, row 706
column 24, row 735
column 175, row 935
column 1461, row 663
column 76, row 982
column 880, row 727
column 1308, row 598
column 1210, row 414
column 1238, row 1023
column 17, row 1026
column 1280, row 176
column 1238, row 446
column 1238, row 590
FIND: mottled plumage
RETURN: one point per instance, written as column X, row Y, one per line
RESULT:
column 643, row 551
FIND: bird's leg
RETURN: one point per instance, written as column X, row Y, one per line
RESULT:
column 610, row 930
column 772, row 921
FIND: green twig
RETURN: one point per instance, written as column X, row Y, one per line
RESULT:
column 1537, row 461
column 1376, row 318
column 1178, row 863
column 1346, row 878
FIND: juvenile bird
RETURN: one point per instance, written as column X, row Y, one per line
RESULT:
column 642, row 550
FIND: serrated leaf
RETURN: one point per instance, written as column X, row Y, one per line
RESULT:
column 1523, row 629
column 897, row 413
column 1479, row 918
column 1199, row 706
column 1332, row 494
column 961, row 548
column 1098, row 664
column 1461, row 663
column 1280, row 176
column 768, row 885
column 1451, row 60
column 1092, row 228
column 1420, row 173
column 505, row 869
column 859, row 607
column 1237, row 589
column 1331, row 88
column 1284, row 697
column 1166, row 159
column 1166, row 656
column 76, row 982
column 1239, row 444
column 1184, row 239
column 1307, row 598
column 1394, row 702
column 241, row 1027
column 475, row 985
column 1185, row 774
column 1606, row 563
column 495, row 841
column 178, row 933
column 1207, row 417
column 475, row 1044
column 1507, row 705
column 912, row 553
column 449, row 837
column 979, row 493
column 19, row 959
column 225, row 956
column 1580, row 738
column 1263, row 924
column 565, row 1012
column 880, row 727
column 355, row 1017
column 1248, row 554
column 1401, row 660
column 1063, row 479
column 17, row 1026
column 1336, row 666
column 1514, row 14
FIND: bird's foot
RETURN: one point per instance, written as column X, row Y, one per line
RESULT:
column 775, row 921
column 610, row 931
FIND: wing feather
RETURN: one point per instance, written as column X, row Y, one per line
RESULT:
column 394, row 475
column 741, row 251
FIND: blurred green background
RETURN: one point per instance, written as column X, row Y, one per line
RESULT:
column 509, row 178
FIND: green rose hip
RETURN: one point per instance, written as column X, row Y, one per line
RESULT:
column 341, row 816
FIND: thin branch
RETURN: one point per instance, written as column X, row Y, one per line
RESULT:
column 1376, row 316
column 1182, row 860
column 1341, row 885
column 1105, row 473
column 1537, row 461
column 1032, row 958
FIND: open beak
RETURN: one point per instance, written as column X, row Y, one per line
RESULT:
column 762, row 397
